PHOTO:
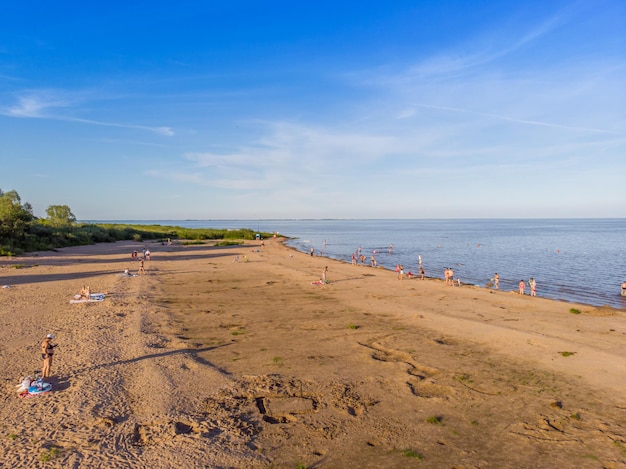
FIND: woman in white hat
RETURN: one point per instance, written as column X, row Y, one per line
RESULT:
column 47, row 351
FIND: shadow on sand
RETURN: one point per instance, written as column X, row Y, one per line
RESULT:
column 193, row 352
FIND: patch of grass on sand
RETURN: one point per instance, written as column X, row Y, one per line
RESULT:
column 435, row 420
column 567, row 354
column 238, row 332
column 574, row 311
column 301, row 465
column 620, row 445
column 353, row 326
column 50, row 454
column 18, row 266
column 409, row 453
column 575, row 416
column 228, row 243
column 277, row 360
column 12, row 436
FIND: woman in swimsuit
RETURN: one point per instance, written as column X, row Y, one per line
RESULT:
column 47, row 351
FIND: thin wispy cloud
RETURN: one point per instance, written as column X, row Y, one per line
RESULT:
column 46, row 106
column 468, row 56
column 521, row 121
column 34, row 106
column 285, row 143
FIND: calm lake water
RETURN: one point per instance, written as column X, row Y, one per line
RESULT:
column 581, row 260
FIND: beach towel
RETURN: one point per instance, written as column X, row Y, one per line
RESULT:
column 94, row 297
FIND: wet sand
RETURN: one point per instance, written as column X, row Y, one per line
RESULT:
column 207, row 362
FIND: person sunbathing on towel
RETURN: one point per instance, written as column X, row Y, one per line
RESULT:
column 85, row 293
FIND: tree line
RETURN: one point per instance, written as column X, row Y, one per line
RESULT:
column 21, row 231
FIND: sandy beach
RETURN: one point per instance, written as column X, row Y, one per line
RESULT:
column 208, row 362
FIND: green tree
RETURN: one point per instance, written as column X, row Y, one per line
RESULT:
column 15, row 218
column 60, row 215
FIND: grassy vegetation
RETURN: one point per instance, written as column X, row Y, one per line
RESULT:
column 42, row 237
column 574, row 311
column 409, row 453
column 21, row 231
column 435, row 419
column 50, row 454
column 620, row 445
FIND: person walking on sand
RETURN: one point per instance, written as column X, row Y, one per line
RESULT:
column 522, row 286
column 47, row 351
column 496, row 281
column 141, row 270
column 533, row 286
column 325, row 274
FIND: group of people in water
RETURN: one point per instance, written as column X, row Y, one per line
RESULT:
column 359, row 259
column 532, row 284
column 448, row 275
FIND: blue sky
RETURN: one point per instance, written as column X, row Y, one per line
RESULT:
column 276, row 109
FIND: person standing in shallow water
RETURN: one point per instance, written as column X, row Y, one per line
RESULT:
column 47, row 351
column 496, row 280
column 522, row 286
column 532, row 283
